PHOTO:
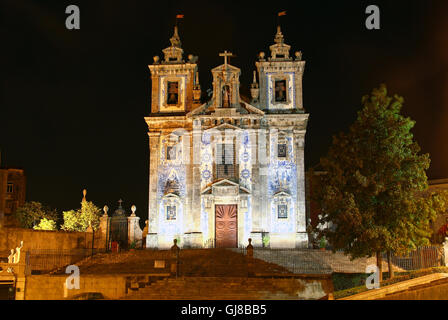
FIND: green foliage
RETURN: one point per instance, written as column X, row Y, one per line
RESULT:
column 31, row 213
column 323, row 242
column 344, row 281
column 79, row 220
column 373, row 183
column 133, row 245
column 265, row 239
column 357, row 279
column 46, row 224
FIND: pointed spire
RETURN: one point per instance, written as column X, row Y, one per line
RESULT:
column 175, row 39
column 196, row 78
column 279, row 36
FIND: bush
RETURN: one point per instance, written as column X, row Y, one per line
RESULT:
column 46, row 224
column 400, row 276
column 30, row 214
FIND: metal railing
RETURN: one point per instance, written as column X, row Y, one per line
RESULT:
column 46, row 260
column 423, row 257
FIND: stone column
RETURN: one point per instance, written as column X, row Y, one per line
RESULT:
column 194, row 185
column 445, row 250
column 134, row 230
column 264, row 160
column 104, row 229
column 299, row 143
column 256, row 191
column 153, row 210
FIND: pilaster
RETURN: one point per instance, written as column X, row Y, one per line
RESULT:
column 154, row 147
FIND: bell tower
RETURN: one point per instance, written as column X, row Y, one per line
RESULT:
column 280, row 78
column 175, row 82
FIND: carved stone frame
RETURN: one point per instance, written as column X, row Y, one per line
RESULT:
column 280, row 77
column 163, row 95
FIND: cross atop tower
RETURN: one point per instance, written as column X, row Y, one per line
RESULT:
column 226, row 54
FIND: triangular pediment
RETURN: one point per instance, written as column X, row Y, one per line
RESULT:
column 226, row 67
column 207, row 108
column 225, row 126
column 282, row 194
column 225, row 183
column 171, row 195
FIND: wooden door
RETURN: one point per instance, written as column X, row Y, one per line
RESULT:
column 226, row 226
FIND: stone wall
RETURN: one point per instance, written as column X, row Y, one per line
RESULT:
column 44, row 287
column 37, row 239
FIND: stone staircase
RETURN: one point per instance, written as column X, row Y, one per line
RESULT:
column 217, row 288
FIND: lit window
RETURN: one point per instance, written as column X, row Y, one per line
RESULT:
column 173, row 93
column 225, row 167
column 10, row 188
column 170, row 212
column 283, row 211
column 281, row 150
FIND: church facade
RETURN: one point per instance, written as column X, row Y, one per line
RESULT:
column 227, row 170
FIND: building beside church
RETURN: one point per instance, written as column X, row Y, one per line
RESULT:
column 12, row 193
column 227, row 170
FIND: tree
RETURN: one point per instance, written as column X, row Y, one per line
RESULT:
column 79, row 220
column 46, row 224
column 371, row 191
column 31, row 213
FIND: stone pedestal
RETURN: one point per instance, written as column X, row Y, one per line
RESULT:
column 193, row 240
column 134, row 231
column 301, row 240
column 151, row 240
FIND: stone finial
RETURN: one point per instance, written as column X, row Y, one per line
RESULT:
column 89, row 228
column 84, row 193
column 175, row 39
column 298, row 55
column 196, row 88
column 250, row 249
column 175, row 248
column 156, row 59
column 254, row 89
column 261, row 55
column 279, row 36
column 105, row 209
column 11, row 257
column 133, row 209
column 16, row 256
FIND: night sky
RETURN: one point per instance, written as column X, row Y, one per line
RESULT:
column 73, row 101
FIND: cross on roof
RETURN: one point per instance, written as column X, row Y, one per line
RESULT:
column 226, row 54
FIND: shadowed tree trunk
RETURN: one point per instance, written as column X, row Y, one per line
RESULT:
column 379, row 264
column 389, row 265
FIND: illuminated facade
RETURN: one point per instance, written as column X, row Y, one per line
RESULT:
column 227, row 170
